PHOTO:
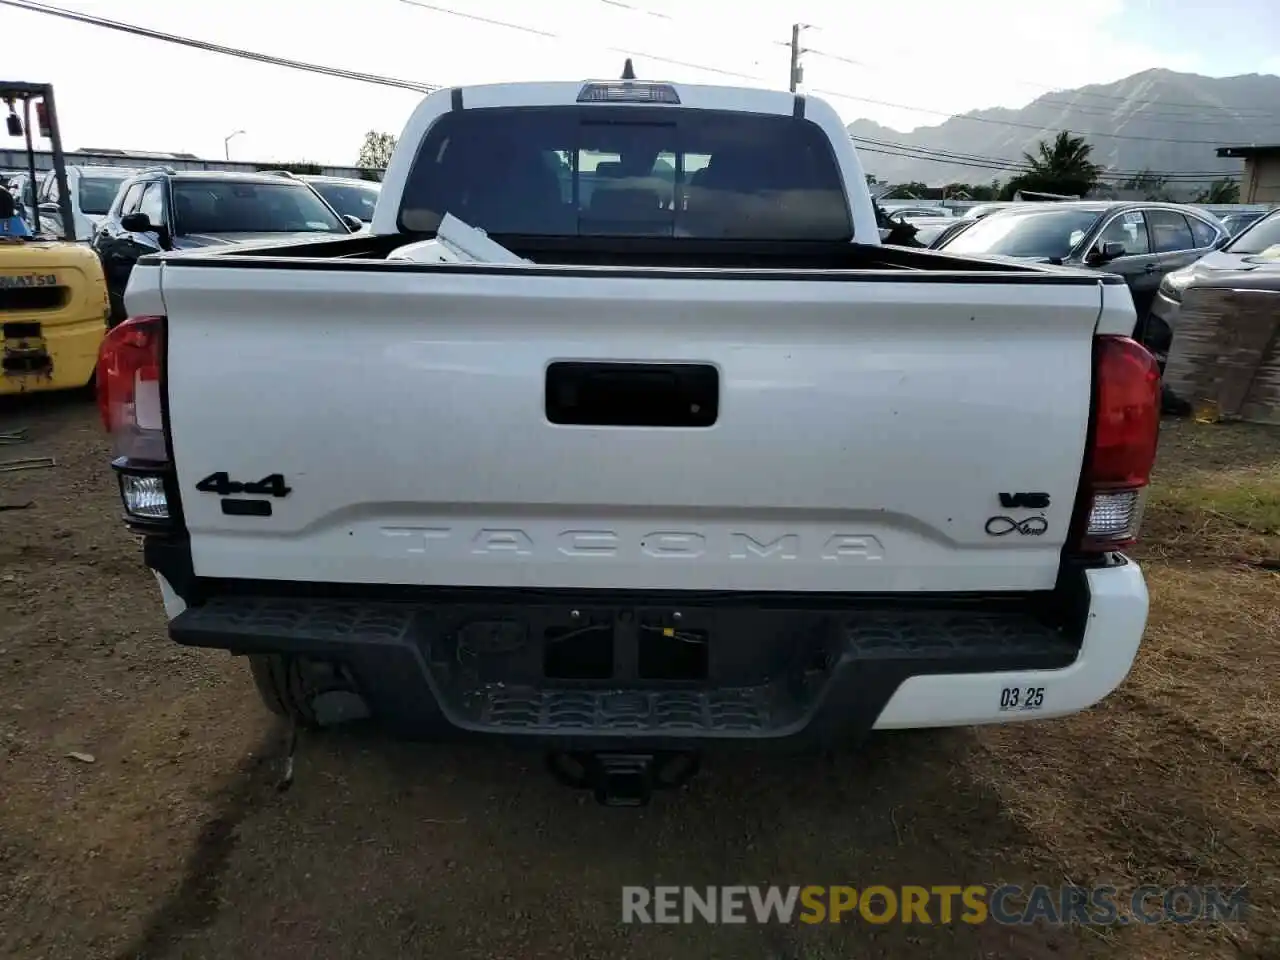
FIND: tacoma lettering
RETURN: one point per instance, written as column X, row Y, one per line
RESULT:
column 658, row 544
column 743, row 546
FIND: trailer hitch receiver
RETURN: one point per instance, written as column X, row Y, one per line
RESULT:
column 623, row 779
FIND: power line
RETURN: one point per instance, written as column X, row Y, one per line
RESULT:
column 476, row 18
column 627, row 6
column 939, row 156
column 1109, row 176
column 437, row 8
column 833, row 93
column 1241, row 111
column 1101, row 178
column 150, row 34
column 935, row 153
column 796, row 51
column 1104, row 177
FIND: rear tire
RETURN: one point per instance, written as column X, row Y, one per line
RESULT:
column 283, row 688
column 1158, row 338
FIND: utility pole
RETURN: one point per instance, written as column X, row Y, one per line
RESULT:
column 797, row 71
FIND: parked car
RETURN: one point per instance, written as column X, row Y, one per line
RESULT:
column 986, row 209
column 910, row 214
column 19, row 187
column 1234, row 223
column 92, row 191
column 350, row 197
column 163, row 209
column 949, row 230
column 928, row 229
column 1141, row 241
column 652, row 477
column 6, row 180
column 1256, row 248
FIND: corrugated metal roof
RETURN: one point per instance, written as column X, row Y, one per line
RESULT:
column 1249, row 150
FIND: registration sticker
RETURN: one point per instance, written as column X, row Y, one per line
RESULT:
column 1021, row 699
column 1134, row 216
column 21, row 281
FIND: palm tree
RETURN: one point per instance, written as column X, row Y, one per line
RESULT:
column 1061, row 167
column 1225, row 190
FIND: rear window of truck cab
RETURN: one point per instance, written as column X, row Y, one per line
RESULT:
column 628, row 171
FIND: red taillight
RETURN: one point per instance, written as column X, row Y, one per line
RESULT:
column 1122, row 447
column 128, row 380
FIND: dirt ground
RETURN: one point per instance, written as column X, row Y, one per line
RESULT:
column 174, row 843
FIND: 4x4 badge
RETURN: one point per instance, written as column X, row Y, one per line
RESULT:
column 222, row 484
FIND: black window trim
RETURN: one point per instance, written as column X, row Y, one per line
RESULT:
column 123, row 208
column 50, row 185
column 164, row 200
column 169, row 182
column 1218, row 231
column 1268, row 215
column 1151, row 236
column 1146, row 228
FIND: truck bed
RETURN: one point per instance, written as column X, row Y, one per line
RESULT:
column 369, row 252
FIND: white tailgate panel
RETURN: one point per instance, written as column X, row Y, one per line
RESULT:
column 865, row 433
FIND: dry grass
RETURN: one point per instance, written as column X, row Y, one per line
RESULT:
column 1174, row 779
column 1216, row 495
column 1212, row 553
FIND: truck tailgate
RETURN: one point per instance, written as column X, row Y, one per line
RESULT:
column 864, row 427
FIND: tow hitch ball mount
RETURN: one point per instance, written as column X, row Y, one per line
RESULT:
column 623, row 779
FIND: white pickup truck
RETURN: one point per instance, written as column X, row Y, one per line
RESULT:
column 707, row 462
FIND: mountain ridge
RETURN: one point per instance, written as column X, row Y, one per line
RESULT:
column 1159, row 120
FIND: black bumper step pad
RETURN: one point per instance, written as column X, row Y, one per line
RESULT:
column 874, row 651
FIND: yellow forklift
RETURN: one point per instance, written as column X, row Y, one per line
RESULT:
column 53, row 295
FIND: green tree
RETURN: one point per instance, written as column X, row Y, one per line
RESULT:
column 971, row 191
column 1225, row 190
column 375, row 152
column 915, row 190
column 1151, row 185
column 985, row 191
column 310, row 169
column 1063, row 166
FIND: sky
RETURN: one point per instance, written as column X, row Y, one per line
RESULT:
column 929, row 57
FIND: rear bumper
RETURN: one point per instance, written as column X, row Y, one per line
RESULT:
column 780, row 670
column 1116, row 619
